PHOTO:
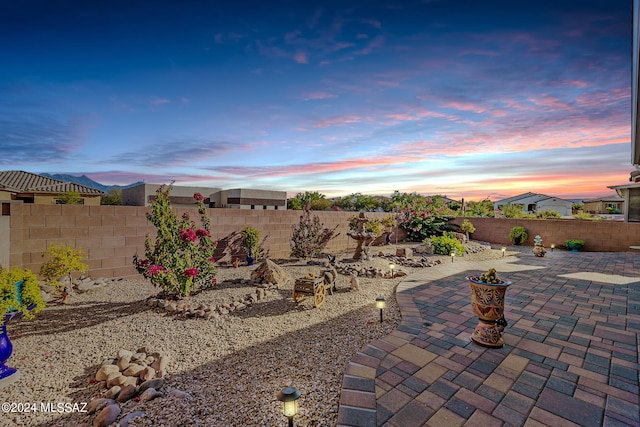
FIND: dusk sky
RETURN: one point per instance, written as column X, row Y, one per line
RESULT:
column 461, row 98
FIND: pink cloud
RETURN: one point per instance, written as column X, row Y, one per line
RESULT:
column 312, row 96
column 301, row 58
column 338, row 121
column 465, row 106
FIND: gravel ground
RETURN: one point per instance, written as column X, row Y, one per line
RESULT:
column 232, row 367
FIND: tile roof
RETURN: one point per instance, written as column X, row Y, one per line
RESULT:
column 21, row 181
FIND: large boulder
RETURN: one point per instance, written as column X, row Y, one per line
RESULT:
column 270, row 272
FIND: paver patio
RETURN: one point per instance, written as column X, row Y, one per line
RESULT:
column 570, row 356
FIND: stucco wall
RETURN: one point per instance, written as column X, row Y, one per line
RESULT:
column 600, row 236
column 111, row 235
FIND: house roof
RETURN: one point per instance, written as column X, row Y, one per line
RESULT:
column 26, row 182
column 610, row 198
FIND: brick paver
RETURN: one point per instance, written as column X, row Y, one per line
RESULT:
column 570, row 356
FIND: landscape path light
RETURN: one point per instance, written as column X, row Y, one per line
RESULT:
column 553, row 246
column 503, row 250
column 289, row 397
column 392, row 267
column 381, row 303
column 453, row 255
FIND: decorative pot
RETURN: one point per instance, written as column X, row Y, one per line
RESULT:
column 539, row 251
column 487, row 302
column 6, row 348
column 574, row 247
column 250, row 258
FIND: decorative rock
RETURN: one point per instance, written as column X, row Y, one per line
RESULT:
column 107, row 416
column 147, row 373
column 127, row 393
column 138, row 357
column 123, row 352
column 133, row 370
column 105, row 370
column 156, row 384
column 270, row 272
column 144, row 349
column 150, row 394
column 129, row 381
column 171, row 307
column 113, row 392
column 124, row 421
column 114, row 379
column 149, row 360
column 123, row 362
column 355, row 282
column 97, row 404
column 404, row 252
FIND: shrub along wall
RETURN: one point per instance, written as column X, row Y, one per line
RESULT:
column 600, row 236
column 111, row 235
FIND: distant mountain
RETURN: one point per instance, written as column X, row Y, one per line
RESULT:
column 85, row 180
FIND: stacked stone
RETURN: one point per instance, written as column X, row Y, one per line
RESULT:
column 130, row 376
column 184, row 309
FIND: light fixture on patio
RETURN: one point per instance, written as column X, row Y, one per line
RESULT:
column 381, row 303
column 503, row 250
column 453, row 255
column 553, row 246
column 392, row 267
column 289, row 397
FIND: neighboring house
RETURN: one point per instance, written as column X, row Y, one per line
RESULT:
column 534, row 202
column 182, row 196
column 631, row 195
column 244, row 198
column 38, row 189
column 612, row 204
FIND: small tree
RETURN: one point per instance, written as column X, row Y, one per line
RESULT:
column 310, row 237
column 62, row 261
column 251, row 240
column 467, row 227
column 113, row 198
column 70, row 198
column 181, row 257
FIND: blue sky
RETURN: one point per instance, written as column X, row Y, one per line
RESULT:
column 461, row 98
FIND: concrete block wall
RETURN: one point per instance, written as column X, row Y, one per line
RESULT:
column 111, row 235
column 599, row 236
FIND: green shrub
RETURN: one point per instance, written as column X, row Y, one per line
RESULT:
column 63, row 260
column 446, row 244
column 30, row 295
column 548, row 214
column 467, row 227
column 251, row 240
column 518, row 233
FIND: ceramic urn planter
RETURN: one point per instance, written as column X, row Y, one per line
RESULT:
column 487, row 302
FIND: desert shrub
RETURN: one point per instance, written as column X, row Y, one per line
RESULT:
column 518, row 234
column 181, row 257
column 251, row 240
column 69, row 198
column 62, row 261
column 446, row 244
column 467, row 227
column 310, row 237
column 28, row 300
column 587, row 216
column 548, row 214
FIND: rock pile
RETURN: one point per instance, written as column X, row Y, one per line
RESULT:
column 130, row 377
column 184, row 309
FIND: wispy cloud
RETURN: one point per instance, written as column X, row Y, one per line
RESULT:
column 175, row 152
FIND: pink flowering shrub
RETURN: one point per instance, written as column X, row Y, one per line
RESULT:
column 181, row 257
column 310, row 237
column 424, row 217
